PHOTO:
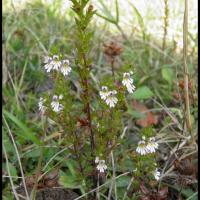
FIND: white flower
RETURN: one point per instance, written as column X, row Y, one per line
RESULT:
column 111, row 100
column 141, row 148
column 152, row 145
column 48, row 65
column 65, row 67
column 128, row 81
column 101, row 165
column 56, row 62
column 127, row 78
column 96, row 160
column 60, row 96
column 108, row 96
column 130, row 88
column 156, row 174
column 46, row 59
column 143, row 137
column 41, row 106
column 56, row 106
column 104, row 92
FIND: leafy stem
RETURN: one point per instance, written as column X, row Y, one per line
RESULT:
column 83, row 45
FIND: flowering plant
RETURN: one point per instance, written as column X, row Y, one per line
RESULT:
column 89, row 115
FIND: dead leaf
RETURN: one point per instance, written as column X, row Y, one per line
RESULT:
column 51, row 179
column 181, row 84
column 144, row 189
column 162, row 194
column 52, row 175
column 176, row 95
column 145, row 198
column 153, row 195
column 185, row 167
column 148, row 119
column 112, row 49
column 82, row 122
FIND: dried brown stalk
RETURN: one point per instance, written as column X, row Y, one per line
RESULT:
column 186, row 74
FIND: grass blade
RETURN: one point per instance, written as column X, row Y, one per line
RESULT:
column 26, row 134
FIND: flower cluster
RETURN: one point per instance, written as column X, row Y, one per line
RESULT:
column 147, row 147
column 54, row 63
column 108, row 96
column 41, row 106
column 55, row 104
column 104, row 92
column 128, row 81
column 101, row 167
column 156, row 174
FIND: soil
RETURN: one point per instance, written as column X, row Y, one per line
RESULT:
column 50, row 194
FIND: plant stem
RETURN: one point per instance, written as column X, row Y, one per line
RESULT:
column 39, row 166
column 78, row 155
column 88, row 109
column 186, row 75
column 113, row 71
column 165, row 24
column 82, row 45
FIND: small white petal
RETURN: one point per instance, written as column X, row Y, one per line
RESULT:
column 55, row 57
column 105, row 88
column 47, row 59
column 56, row 63
column 41, row 106
column 152, row 145
column 101, row 166
column 65, row 67
column 56, row 106
column 55, row 97
column 128, row 82
column 141, row 148
column 104, row 93
column 156, row 174
column 130, row 88
column 111, row 99
column 96, row 160
column 60, row 96
column 48, row 67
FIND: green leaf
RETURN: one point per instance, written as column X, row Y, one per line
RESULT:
column 194, row 196
column 188, row 193
column 26, row 133
column 143, row 93
column 12, row 169
column 7, row 143
column 123, row 181
column 35, row 153
column 168, row 74
column 136, row 114
column 72, row 165
column 69, row 181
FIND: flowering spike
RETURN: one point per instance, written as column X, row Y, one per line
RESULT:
column 56, row 106
column 128, row 82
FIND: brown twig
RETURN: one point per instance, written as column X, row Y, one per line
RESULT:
column 113, row 70
column 186, row 74
column 165, row 24
column 78, row 155
column 88, row 111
